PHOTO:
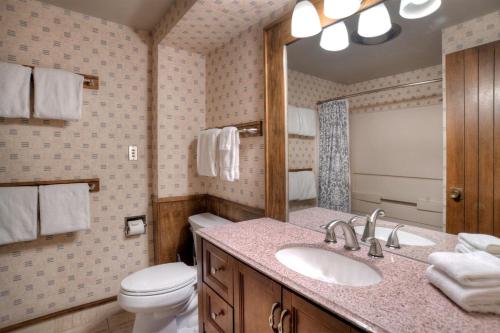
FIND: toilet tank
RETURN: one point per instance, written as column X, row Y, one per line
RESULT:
column 205, row 220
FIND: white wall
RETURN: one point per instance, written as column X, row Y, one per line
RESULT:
column 397, row 163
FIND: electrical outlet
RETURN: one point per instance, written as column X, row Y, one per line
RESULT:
column 132, row 153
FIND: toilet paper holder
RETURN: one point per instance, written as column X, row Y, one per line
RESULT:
column 134, row 218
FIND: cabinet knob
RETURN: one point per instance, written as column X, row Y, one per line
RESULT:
column 214, row 270
column 214, row 315
column 284, row 313
column 271, row 315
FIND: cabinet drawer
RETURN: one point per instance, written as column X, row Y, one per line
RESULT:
column 217, row 314
column 218, row 271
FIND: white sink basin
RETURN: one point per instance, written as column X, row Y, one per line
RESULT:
column 328, row 266
column 405, row 238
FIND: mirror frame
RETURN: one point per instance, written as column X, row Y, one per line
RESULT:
column 276, row 36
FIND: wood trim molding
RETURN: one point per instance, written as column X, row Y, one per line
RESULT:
column 276, row 37
column 57, row 314
column 171, row 234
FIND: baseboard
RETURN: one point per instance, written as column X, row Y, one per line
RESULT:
column 53, row 315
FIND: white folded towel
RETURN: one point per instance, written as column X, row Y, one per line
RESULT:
column 64, row 208
column 469, row 298
column 464, row 248
column 481, row 242
column 18, row 214
column 475, row 269
column 206, row 156
column 293, row 120
column 301, row 121
column 14, row 90
column 301, row 185
column 229, row 154
column 308, row 122
column 58, row 94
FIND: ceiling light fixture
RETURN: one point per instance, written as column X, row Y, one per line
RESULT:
column 335, row 37
column 414, row 9
column 374, row 22
column 338, row 9
column 305, row 20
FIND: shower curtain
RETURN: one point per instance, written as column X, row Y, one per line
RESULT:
column 334, row 161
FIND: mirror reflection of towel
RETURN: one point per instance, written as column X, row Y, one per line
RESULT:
column 301, row 185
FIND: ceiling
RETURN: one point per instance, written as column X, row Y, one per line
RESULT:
column 138, row 14
column 418, row 45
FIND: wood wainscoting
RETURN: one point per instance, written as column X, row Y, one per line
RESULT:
column 172, row 235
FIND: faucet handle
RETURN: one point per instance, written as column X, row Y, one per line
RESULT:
column 330, row 236
column 375, row 248
column 393, row 240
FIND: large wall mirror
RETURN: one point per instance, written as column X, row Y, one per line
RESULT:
column 363, row 119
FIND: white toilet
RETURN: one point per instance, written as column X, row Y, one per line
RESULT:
column 164, row 297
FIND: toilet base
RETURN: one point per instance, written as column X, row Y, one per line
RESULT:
column 185, row 322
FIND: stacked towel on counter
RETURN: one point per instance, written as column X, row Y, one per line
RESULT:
column 477, row 242
column 58, row 94
column 301, row 185
column 18, row 214
column 206, row 156
column 301, row 121
column 14, row 90
column 471, row 280
column 229, row 154
column 64, row 208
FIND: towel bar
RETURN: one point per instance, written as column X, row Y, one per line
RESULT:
column 94, row 183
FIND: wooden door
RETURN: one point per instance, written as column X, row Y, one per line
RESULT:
column 473, row 140
column 304, row 317
column 256, row 298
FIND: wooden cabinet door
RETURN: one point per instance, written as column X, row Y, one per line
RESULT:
column 256, row 298
column 473, row 140
column 304, row 317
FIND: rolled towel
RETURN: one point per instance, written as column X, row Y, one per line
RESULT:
column 487, row 243
column 475, row 269
column 468, row 298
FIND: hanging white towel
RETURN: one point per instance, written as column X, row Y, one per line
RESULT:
column 58, row 94
column 206, row 156
column 293, row 120
column 229, row 154
column 14, row 90
column 18, row 214
column 64, row 208
column 301, row 185
column 481, row 242
column 308, row 122
column 469, row 298
column 475, row 269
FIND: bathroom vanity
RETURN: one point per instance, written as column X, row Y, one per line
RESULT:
column 245, row 288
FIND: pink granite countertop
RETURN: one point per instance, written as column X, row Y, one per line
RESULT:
column 312, row 218
column 402, row 302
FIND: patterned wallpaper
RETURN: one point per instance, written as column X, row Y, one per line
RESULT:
column 181, row 114
column 481, row 30
column 56, row 272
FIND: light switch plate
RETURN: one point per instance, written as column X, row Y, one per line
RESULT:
column 132, row 153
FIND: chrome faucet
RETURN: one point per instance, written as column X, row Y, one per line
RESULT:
column 375, row 248
column 393, row 240
column 370, row 225
column 351, row 242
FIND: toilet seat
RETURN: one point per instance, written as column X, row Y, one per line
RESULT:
column 159, row 279
column 168, row 287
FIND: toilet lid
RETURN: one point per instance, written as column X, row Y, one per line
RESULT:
column 159, row 279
